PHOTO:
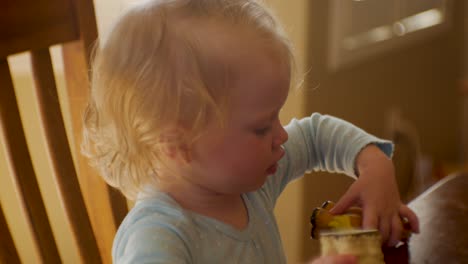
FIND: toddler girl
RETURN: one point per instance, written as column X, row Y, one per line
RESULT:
column 183, row 117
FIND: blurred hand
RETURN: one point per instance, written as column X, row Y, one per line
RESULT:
column 338, row 259
column 376, row 192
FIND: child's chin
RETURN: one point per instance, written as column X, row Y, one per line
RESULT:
column 258, row 184
column 252, row 186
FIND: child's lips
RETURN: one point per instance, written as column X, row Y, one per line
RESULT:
column 273, row 168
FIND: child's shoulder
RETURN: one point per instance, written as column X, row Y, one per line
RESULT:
column 158, row 214
column 155, row 210
column 152, row 224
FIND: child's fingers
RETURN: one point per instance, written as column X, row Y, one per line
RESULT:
column 347, row 200
column 384, row 228
column 395, row 232
column 406, row 212
column 370, row 219
column 328, row 205
column 354, row 210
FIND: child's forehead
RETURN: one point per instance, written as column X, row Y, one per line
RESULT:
column 237, row 44
column 218, row 34
column 255, row 67
column 246, row 63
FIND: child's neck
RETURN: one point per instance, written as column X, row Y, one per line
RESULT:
column 227, row 208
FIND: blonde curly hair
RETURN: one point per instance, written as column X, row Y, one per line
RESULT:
column 151, row 74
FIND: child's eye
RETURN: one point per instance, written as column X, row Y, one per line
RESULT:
column 262, row 131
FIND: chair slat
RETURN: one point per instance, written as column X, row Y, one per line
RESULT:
column 76, row 69
column 88, row 29
column 20, row 162
column 118, row 204
column 86, row 22
column 106, row 206
column 61, row 158
column 8, row 253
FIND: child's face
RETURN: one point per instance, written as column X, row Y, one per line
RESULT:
column 238, row 157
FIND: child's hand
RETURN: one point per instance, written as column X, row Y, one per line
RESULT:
column 377, row 192
column 338, row 259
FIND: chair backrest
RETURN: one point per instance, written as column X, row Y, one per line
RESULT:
column 89, row 204
column 442, row 211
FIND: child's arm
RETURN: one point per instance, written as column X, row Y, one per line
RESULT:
column 319, row 143
column 325, row 143
column 377, row 192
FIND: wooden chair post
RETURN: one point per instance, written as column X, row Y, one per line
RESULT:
column 61, row 157
column 93, row 209
column 22, row 169
column 8, row 252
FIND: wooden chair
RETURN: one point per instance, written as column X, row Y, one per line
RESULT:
column 34, row 26
column 442, row 211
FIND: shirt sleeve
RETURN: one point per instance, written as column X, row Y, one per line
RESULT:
column 320, row 143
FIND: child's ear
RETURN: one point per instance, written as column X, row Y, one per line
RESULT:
column 185, row 153
column 175, row 145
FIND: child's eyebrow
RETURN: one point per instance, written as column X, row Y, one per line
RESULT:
column 266, row 117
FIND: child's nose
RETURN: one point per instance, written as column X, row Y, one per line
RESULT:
column 281, row 137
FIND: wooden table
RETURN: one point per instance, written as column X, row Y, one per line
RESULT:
column 443, row 219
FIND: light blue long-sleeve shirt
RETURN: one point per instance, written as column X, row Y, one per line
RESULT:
column 158, row 230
